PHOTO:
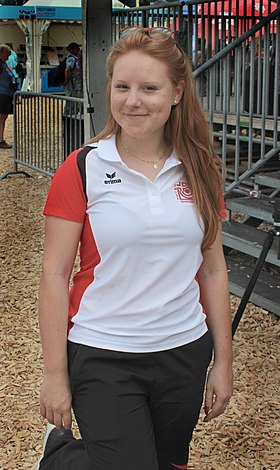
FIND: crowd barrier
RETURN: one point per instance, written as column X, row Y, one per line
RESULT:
column 46, row 129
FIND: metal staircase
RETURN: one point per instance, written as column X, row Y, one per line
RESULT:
column 247, row 237
column 240, row 94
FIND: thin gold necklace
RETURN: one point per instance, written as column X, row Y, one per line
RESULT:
column 154, row 162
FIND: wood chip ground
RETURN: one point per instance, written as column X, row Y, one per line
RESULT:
column 246, row 436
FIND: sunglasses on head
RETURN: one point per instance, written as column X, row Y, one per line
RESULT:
column 157, row 33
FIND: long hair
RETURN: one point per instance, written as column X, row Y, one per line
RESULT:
column 186, row 130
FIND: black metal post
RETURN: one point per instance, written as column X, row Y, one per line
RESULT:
column 266, row 247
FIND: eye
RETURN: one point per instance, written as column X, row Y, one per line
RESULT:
column 150, row 88
column 121, row 86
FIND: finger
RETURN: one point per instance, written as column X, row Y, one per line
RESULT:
column 42, row 410
column 57, row 420
column 208, row 401
column 218, row 408
column 49, row 416
column 67, row 420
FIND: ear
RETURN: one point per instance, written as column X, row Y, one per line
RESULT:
column 178, row 91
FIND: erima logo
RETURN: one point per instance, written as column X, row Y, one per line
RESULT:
column 112, row 179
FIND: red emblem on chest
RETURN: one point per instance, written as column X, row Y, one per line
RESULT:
column 183, row 192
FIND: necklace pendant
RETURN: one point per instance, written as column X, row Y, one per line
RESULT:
column 155, row 165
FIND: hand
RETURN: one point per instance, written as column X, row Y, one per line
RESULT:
column 55, row 400
column 219, row 389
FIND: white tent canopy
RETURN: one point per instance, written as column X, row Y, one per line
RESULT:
column 34, row 30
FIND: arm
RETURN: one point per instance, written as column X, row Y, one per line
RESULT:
column 213, row 282
column 70, row 64
column 61, row 243
column 67, row 75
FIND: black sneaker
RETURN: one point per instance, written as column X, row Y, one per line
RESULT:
column 50, row 438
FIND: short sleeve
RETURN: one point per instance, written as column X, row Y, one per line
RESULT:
column 70, row 62
column 66, row 198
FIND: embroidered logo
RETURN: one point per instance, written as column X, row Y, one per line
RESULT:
column 183, row 192
column 112, row 178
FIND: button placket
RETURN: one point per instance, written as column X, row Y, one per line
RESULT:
column 155, row 199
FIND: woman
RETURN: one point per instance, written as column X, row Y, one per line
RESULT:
column 144, row 203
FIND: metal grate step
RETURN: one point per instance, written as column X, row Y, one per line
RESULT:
column 266, row 293
column 260, row 208
column 271, row 179
column 249, row 240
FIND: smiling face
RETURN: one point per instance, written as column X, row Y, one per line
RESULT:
column 142, row 95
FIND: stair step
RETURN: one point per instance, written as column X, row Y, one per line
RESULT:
column 249, row 240
column 271, row 179
column 266, row 293
column 260, row 208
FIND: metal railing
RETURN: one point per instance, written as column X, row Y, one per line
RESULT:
column 239, row 89
column 234, row 50
column 202, row 27
column 46, row 129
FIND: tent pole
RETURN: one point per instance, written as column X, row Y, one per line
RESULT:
column 97, row 40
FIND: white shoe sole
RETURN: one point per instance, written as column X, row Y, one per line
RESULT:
column 49, row 429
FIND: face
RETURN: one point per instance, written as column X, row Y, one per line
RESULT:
column 142, row 95
column 74, row 50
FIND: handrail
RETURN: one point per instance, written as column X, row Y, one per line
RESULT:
column 158, row 5
column 237, row 42
column 167, row 5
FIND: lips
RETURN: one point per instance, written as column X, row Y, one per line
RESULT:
column 135, row 115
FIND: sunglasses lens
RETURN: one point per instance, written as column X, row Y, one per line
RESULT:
column 128, row 31
column 160, row 33
column 154, row 33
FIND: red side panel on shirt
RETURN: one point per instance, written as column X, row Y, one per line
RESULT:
column 66, row 199
column 90, row 258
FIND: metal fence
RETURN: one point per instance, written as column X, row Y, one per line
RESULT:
column 46, row 129
column 239, row 90
column 202, row 27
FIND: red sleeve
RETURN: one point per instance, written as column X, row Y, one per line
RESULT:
column 66, row 198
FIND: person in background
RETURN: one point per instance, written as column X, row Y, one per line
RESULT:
column 129, row 347
column 7, row 90
column 73, row 84
column 12, row 61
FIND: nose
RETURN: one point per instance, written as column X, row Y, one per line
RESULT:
column 133, row 98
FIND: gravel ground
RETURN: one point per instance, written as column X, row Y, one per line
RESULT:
column 247, row 436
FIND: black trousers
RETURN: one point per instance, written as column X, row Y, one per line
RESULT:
column 134, row 411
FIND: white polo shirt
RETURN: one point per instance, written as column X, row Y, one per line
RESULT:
column 140, row 251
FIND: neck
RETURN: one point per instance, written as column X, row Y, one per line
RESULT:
column 150, row 149
column 146, row 157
